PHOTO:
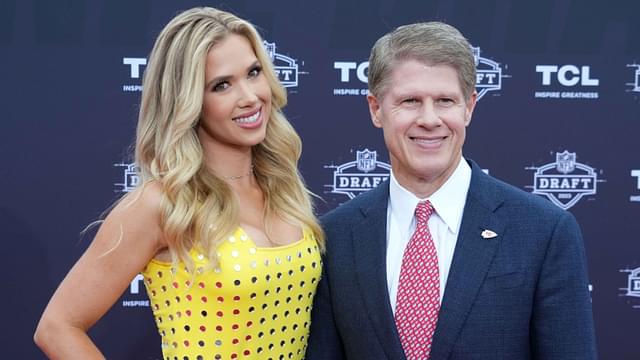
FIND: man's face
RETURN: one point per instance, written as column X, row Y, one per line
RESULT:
column 424, row 116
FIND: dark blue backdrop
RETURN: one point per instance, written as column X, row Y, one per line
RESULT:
column 559, row 77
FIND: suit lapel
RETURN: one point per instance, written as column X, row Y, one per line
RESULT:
column 370, row 249
column 471, row 261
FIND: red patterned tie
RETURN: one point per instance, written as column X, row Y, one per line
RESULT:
column 418, row 301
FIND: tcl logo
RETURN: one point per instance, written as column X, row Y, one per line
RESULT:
column 135, row 65
column 567, row 75
column 346, row 67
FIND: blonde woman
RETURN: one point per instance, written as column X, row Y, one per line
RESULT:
column 222, row 227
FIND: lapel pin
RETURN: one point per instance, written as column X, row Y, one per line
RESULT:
column 488, row 234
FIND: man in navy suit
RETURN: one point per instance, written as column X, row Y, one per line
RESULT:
column 493, row 273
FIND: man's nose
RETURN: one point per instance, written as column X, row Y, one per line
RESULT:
column 429, row 116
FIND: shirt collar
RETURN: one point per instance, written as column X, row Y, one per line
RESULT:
column 448, row 200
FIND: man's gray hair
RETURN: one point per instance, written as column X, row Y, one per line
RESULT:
column 432, row 43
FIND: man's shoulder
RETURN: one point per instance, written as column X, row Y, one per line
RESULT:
column 516, row 200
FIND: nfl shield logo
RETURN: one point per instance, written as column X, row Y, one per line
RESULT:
column 565, row 181
column 565, row 162
column 366, row 160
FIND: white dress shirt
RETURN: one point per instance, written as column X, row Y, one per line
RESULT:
column 444, row 224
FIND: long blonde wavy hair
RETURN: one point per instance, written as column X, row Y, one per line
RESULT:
column 198, row 208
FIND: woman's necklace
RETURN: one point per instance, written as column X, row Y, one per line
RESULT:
column 238, row 177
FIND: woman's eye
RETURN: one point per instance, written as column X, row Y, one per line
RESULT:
column 255, row 71
column 221, row 86
column 410, row 101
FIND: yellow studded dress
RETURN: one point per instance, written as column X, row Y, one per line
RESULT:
column 255, row 305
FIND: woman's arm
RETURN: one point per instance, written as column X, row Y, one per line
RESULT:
column 129, row 237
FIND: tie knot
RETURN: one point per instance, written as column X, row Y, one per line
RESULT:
column 423, row 211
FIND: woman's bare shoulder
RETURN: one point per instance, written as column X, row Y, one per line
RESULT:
column 140, row 211
column 147, row 197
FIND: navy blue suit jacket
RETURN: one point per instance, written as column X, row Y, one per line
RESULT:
column 520, row 295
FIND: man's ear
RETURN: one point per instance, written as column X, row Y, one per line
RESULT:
column 469, row 106
column 374, row 110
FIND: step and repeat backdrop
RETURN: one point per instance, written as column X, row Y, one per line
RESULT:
column 558, row 116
